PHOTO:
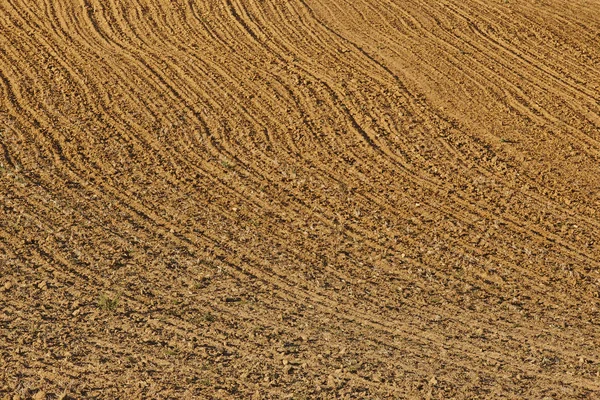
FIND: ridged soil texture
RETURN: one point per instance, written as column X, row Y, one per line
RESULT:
column 354, row 199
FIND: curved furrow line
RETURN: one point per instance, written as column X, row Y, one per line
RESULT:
column 305, row 112
column 522, row 28
column 156, row 146
column 32, row 123
column 92, row 102
column 37, row 255
column 525, row 28
column 578, row 29
column 97, row 192
column 356, row 124
column 288, row 198
column 588, row 255
column 528, row 105
column 54, row 146
column 531, row 64
column 492, row 173
column 442, row 42
column 244, row 112
column 72, row 259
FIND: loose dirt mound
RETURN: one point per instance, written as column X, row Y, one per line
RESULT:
column 300, row 199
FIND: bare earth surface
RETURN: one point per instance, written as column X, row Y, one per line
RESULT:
column 268, row 199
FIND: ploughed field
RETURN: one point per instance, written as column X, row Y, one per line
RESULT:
column 229, row 199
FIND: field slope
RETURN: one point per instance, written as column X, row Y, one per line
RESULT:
column 229, row 199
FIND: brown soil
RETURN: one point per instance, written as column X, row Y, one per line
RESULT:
column 268, row 199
